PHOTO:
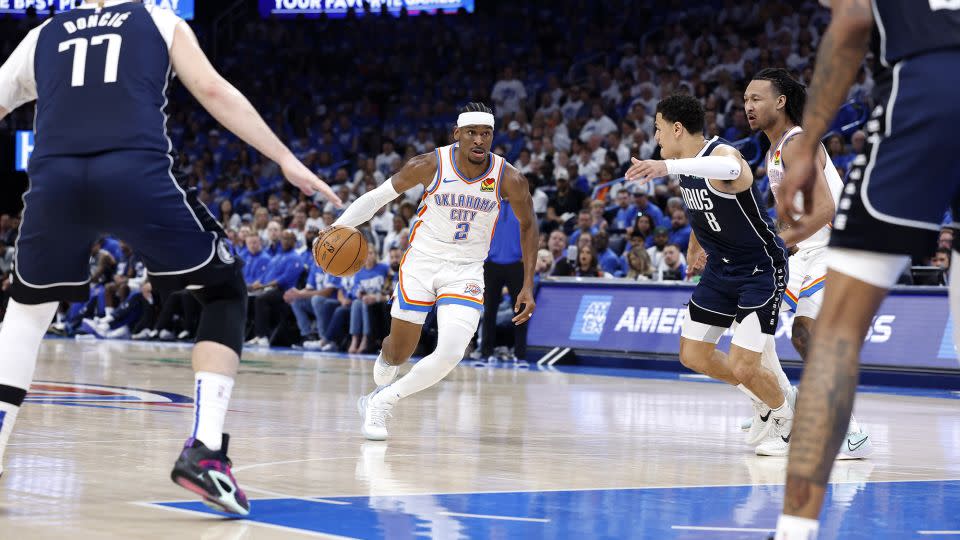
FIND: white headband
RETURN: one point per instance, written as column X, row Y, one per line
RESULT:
column 474, row 119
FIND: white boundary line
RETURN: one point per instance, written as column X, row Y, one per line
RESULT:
column 939, row 533
column 486, row 516
column 608, row 488
column 278, row 495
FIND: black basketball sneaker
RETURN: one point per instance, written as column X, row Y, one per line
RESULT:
column 207, row 473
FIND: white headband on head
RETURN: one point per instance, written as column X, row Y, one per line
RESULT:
column 474, row 119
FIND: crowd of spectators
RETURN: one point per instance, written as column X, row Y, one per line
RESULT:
column 356, row 98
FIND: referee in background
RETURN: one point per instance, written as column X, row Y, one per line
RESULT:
column 503, row 266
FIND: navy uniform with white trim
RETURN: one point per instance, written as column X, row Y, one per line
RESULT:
column 102, row 161
column 897, row 192
column 746, row 268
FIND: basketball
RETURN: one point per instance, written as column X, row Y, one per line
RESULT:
column 341, row 251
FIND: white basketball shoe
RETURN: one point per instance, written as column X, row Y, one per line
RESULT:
column 374, row 413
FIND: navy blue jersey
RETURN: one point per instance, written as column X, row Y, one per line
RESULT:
column 731, row 228
column 101, row 79
column 910, row 27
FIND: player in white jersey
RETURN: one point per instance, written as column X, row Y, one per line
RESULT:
column 443, row 267
column 774, row 104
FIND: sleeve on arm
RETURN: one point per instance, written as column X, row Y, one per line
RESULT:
column 18, row 84
column 166, row 22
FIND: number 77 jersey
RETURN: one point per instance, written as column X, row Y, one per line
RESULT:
column 458, row 214
column 734, row 229
column 99, row 76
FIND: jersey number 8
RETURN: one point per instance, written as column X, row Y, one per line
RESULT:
column 712, row 221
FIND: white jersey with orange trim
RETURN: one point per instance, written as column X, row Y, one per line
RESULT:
column 458, row 214
column 775, row 172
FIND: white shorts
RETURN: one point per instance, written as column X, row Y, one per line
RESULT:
column 804, row 294
column 425, row 280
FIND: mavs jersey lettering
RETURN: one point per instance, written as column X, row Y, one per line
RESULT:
column 101, row 77
column 775, row 171
column 907, row 28
column 732, row 228
column 458, row 215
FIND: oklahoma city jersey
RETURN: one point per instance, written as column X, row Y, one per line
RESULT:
column 775, row 172
column 457, row 215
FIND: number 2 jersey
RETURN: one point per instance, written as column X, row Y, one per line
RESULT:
column 458, row 215
column 99, row 76
column 732, row 228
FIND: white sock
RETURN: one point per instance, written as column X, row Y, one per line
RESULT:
column 210, row 407
column 108, row 311
column 796, row 528
column 8, row 417
column 749, row 394
column 771, row 361
column 20, row 336
column 783, row 411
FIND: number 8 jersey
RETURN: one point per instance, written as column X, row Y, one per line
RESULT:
column 106, row 70
column 733, row 228
column 458, row 215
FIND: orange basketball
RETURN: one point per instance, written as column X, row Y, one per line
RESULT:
column 341, row 251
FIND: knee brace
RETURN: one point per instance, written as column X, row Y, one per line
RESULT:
column 224, row 316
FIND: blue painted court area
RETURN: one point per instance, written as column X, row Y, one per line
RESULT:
column 876, row 510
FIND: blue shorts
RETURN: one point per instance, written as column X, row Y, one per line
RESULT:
column 133, row 195
column 729, row 292
column 897, row 193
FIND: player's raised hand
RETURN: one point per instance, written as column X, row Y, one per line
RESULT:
column 799, row 177
column 644, row 171
column 524, row 307
column 299, row 175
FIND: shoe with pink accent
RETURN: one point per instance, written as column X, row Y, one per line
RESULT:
column 207, row 473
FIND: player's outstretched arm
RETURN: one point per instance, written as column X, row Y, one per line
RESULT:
column 235, row 112
column 515, row 189
column 419, row 170
column 720, row 165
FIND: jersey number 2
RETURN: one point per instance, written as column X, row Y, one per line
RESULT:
column 462, row 229
column 80, row 46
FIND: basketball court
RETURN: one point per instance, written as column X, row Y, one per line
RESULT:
column 489, row 453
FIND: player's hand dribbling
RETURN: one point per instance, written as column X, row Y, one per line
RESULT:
column 644, row 171
column 799, row 177
column 299, row 175
column 525, row 299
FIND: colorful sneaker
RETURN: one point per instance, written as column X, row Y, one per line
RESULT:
column 207, row 473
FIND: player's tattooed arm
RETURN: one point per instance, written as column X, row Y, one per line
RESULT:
column 839, row 57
